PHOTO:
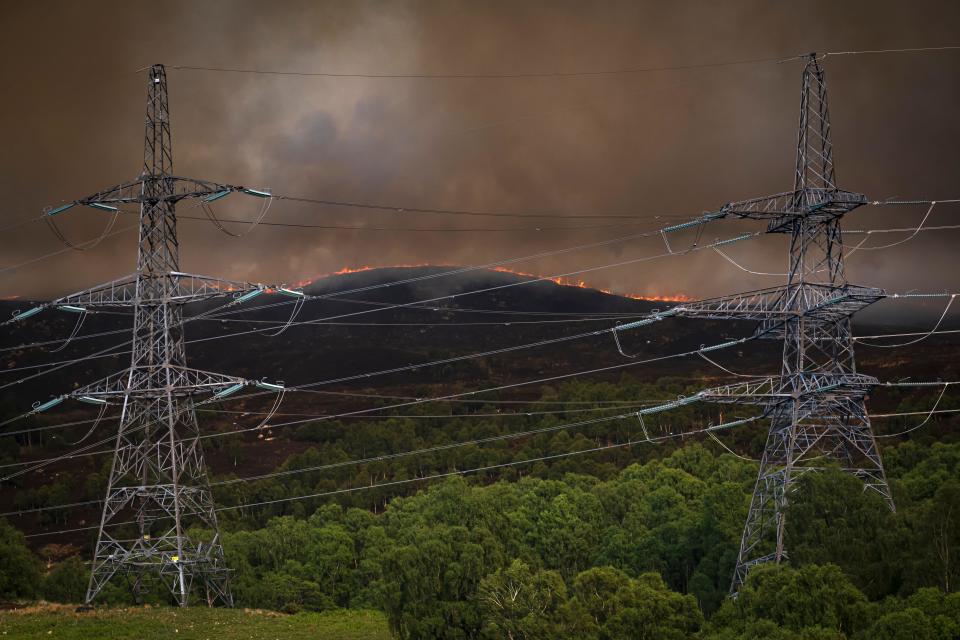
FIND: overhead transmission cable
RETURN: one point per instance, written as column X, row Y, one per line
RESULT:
column 860, row 246
column 717, row 347
column 514, row 260
column 372, row 459
column 209, row 313
column 550, row 74
column 552, row 215
column 367, row 460
column 503, row 286
column 671, row 252
column 922, row 337
column 654, row 409
column 428, row 277
column 647, row 439
column 37, row 464
column 411, row 416
column 925, row 421
column 106, row 352
column 478, row 76
column 58, row 252
column 516, row 347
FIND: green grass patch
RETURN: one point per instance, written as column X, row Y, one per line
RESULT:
column 198, row 623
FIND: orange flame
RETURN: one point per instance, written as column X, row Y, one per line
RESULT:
column 561, row 281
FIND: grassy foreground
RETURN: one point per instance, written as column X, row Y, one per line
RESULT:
column 61, row 621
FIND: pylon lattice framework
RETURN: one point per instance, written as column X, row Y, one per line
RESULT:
column 816, row 405
column 158, row 480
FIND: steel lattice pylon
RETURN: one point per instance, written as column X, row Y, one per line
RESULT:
column 816, row 405
column 158, row 483
column 158, row 469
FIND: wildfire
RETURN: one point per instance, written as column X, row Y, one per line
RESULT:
column 581, row 284
column 563, row 282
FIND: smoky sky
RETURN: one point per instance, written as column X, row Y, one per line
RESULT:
column 670, row 143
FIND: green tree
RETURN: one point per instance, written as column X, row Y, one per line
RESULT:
column 939, row 524
column 19, row 569
column 609, row 605
column 927, row 614
column 809, row 599
column 434, row 576
column 832, row 520
column 907, row 624
column 521, row 604
column 67, row 581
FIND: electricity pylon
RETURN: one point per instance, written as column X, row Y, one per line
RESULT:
column 816, row 404
column 158, row 482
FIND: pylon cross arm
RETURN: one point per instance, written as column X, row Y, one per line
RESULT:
column 135, row 192
column 116, row 293
column 141, row 382
column 772, row 390
column 183, row 187
column 758, row 391
column 184, row 288
column 781, row 209
column 189, row 287
column 772, row 307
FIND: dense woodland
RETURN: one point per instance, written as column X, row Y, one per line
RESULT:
column 637, row 539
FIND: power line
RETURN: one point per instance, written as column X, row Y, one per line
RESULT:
column 105, row 352
column 433, row 449
column 500, row 465
column 549, row 74
column 53, row 254
column 412, row 416
column 502, row 262
column 522, row 434
column 444, row 416
column 309, row 387
column 368, row 460
column 514, row 463
column 699, row 221
column 481, row 76
column 568, row 318
column 924, row 336
column 641, row 259
column 450, row 229
column 907, row 334
column 485, row 401
column 554, row 215
column 295, row 225
column 37, row 464
column 482, row 354
column 415, row 366
column 443, row 447
column 418, row 401
column 876, row 51
column 925, row 421
column 509, row 285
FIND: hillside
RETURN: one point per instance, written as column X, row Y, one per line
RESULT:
column 359, row 330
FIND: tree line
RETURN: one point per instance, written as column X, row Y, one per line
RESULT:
column 638, row 542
